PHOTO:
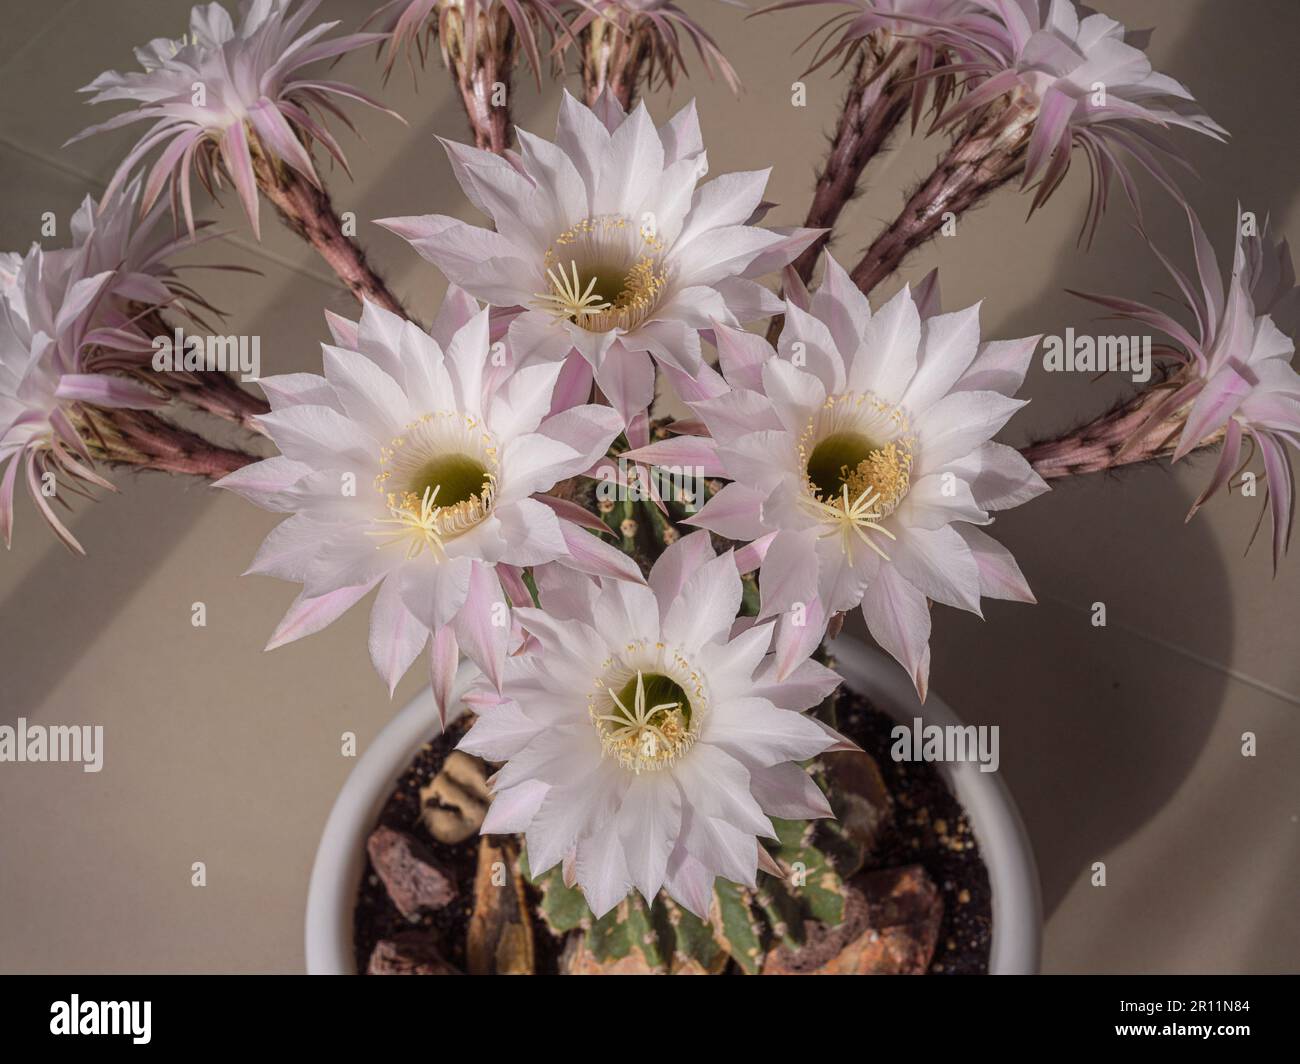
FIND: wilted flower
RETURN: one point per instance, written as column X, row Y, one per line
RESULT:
column 604, row 237
column 114, row 234
column 862, row 459
column 229, row 95
column 48, row 317
column 1043, row 80
column 1237, row 379
column 644, row 746
column 899, row 50
column 416, row 465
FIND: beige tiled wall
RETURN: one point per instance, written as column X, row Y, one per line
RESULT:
column 1122, row 745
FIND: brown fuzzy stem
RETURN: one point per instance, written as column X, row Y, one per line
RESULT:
column 210, row 391
column 221, row 396
column 616, row 58
column 489, row 122
column 1115, row 439
column 986, row 155
column 307, row 210
column 142, row 439
column 871, row 112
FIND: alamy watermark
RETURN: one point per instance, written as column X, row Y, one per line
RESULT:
column 76, row 743
column 193, row 354
column 1098, row 354
column 684, row 484
column 954, row 743
column 77, row 1017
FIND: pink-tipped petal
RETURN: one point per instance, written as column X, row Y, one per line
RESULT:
column 309, row 614
column 444, row 657
column 396, row 635
column 587, row 554
column 482, row 626
column 898, row 617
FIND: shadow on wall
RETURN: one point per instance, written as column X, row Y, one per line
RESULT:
column 1099, row 726
column 1098, row 734
column 1135, row 732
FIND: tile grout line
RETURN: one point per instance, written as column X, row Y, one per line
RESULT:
column 1181, row 651
column 252, row 248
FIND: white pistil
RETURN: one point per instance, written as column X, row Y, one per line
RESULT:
column 634, row 738
column 852, row 519
column 568, row 299
column 421, row 526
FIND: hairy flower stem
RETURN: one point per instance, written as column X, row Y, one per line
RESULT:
column 211, row 391
column 221, row 396
column 307, row 210
column 870, row 113
column 615, row 58
column 484, row 78
column 490, row 122
column 987, row 154
column 142, row 439
column 1118, row 438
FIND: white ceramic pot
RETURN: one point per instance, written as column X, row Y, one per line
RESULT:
column 340, row 859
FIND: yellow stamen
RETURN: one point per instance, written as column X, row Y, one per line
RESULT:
column 850, row 481
column 416, row 525
column 850, row 519
column 443, row 455
column 613, row 278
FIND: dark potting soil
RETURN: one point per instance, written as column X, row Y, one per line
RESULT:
column 376, row 917
column 928, row 827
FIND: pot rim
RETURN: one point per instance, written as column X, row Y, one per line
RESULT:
column 1004, row 843
column 339, row 864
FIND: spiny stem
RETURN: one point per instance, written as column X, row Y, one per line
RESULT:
column 871, row 111
column 144, row 440
column 308, row 211
column 490, row 122
column 210, row 391
column 478, row 76
column 1117, row 438
column 988, row 153
column 218, row 394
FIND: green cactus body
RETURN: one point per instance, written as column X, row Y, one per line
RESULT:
column 812, row 880
column 736, row 928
